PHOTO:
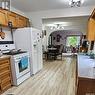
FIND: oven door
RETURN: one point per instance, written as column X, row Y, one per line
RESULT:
column 22, row 66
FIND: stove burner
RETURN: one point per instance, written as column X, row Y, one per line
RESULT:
column 14, row 53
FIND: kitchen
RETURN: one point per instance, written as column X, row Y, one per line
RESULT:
column 12, row 37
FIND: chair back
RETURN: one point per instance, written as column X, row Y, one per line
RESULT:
column 61, row 49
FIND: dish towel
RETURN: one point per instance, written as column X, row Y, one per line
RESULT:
column 24, row 62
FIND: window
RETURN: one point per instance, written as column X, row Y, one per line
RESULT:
column 73, row 40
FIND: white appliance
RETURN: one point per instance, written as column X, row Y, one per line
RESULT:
column 29, row 39
column 20, row 65
column 20, row 68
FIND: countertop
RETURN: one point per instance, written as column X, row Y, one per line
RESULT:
column 86, row 66
column 4, row 57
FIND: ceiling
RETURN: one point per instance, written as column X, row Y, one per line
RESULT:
column 40, row 5
column 69, row 23
column 69, row 20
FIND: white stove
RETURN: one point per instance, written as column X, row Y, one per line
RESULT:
column 20, row 64
column 20, row 68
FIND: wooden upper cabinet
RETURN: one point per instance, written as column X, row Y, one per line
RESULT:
column 12, row 17
column 16, row 19
column 91, row 30
column 27, row 22
column 91, row 27
column 22, row 21
column 93, row 14
column 3, row 17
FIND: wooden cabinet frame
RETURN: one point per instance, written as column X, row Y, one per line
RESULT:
column 91, row 27
column 12, row 17
column 91, row 30
column 3, row 17
column 16, row 19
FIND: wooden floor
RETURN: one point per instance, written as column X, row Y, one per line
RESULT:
column 56, row 78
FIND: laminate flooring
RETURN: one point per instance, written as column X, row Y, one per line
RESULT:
column 56, row 78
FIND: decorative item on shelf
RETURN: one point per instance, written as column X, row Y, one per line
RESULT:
column 5, row 4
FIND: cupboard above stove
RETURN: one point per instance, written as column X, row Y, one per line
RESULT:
column 17, row 20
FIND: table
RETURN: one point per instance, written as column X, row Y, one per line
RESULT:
column 51, row 53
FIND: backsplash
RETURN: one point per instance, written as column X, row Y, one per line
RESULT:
column 8, row 35
column 7, row 43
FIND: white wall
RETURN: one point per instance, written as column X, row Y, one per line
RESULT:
column 37, row 17
column 8, row 36
column 18, row 11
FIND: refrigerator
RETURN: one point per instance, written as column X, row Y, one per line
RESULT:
column 30, row 39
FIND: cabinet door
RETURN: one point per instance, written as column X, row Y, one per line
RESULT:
column 25, row 22
column 91, row 30
column 5, row 74
column 3, row 17
column 12, row 17
column 21, row 21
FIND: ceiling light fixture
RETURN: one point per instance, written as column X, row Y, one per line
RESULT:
column 75, row 3
column 56, row 27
